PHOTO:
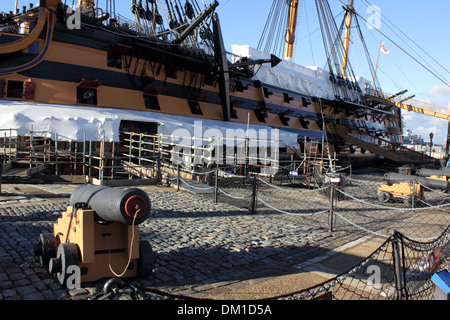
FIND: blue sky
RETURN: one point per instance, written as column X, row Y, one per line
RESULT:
column 426, row 22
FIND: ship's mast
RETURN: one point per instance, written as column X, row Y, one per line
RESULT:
column 348, row 24
column 290, row 29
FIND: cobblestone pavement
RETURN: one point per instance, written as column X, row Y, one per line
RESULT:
column 200, row 245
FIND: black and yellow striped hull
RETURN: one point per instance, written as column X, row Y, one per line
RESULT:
column 94, row 67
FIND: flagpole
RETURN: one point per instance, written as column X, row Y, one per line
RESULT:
column 376, row 68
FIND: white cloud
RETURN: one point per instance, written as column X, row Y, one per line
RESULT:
column 422, row 124
column 440, row 95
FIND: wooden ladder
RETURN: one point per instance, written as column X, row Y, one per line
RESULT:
column 311, row 157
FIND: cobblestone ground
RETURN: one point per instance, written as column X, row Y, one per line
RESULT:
column 200, row 245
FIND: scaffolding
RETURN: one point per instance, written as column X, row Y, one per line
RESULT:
column 149, row 158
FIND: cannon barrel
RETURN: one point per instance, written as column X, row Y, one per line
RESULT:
column 445, row 170
column 430, row 183
column 431, row 172
column 114, row 205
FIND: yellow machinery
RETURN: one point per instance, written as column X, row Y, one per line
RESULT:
column 404, row 191
column 98, row 235
column 407, row 187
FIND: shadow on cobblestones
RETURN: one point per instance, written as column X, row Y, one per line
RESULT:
column 209, row 265
column 199, row 244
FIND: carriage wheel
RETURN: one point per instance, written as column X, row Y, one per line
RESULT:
column 66, row 256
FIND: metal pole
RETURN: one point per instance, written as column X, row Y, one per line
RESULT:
column 140, row 149
column 113, row 162
column 216, row 185
column 56, row 153
column 397, row 265
column 70, row 156
column 10, row 144
column 76, row 157
column 31, row 147
column 331, row 213
column 431, row 142
column 178, row 177
column 129, row 153
column 90, row 159
column 4, row 149
column 102, row 160
column 84, row 154
column 158, row 162
column 253, row 205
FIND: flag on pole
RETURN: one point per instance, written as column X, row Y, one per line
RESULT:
column 383, row 48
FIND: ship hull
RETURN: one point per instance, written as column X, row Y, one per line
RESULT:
column 94, row 68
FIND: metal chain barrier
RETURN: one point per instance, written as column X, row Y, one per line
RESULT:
column 286, row 200
column 357, row 207
column 357, row 283
column 420, row 219
column 400, row 269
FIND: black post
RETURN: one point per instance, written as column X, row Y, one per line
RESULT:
column 216, row 185
column 253, row 207
column 397, row 260
column 331, row 213
column 178, row 177
column 158, row 162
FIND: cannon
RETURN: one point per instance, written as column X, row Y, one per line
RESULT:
column 409, row 187
column 427, row 181
column 99, row 234
column 441, row 174
column 445, row 170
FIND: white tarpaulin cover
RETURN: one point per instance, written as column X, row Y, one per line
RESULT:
column 311, row 81
column 70, row 123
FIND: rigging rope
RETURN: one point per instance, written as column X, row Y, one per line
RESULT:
column 443, row 80
column 272, row 38
column 405, row 35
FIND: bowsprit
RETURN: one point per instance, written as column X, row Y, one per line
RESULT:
column 99, row 234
